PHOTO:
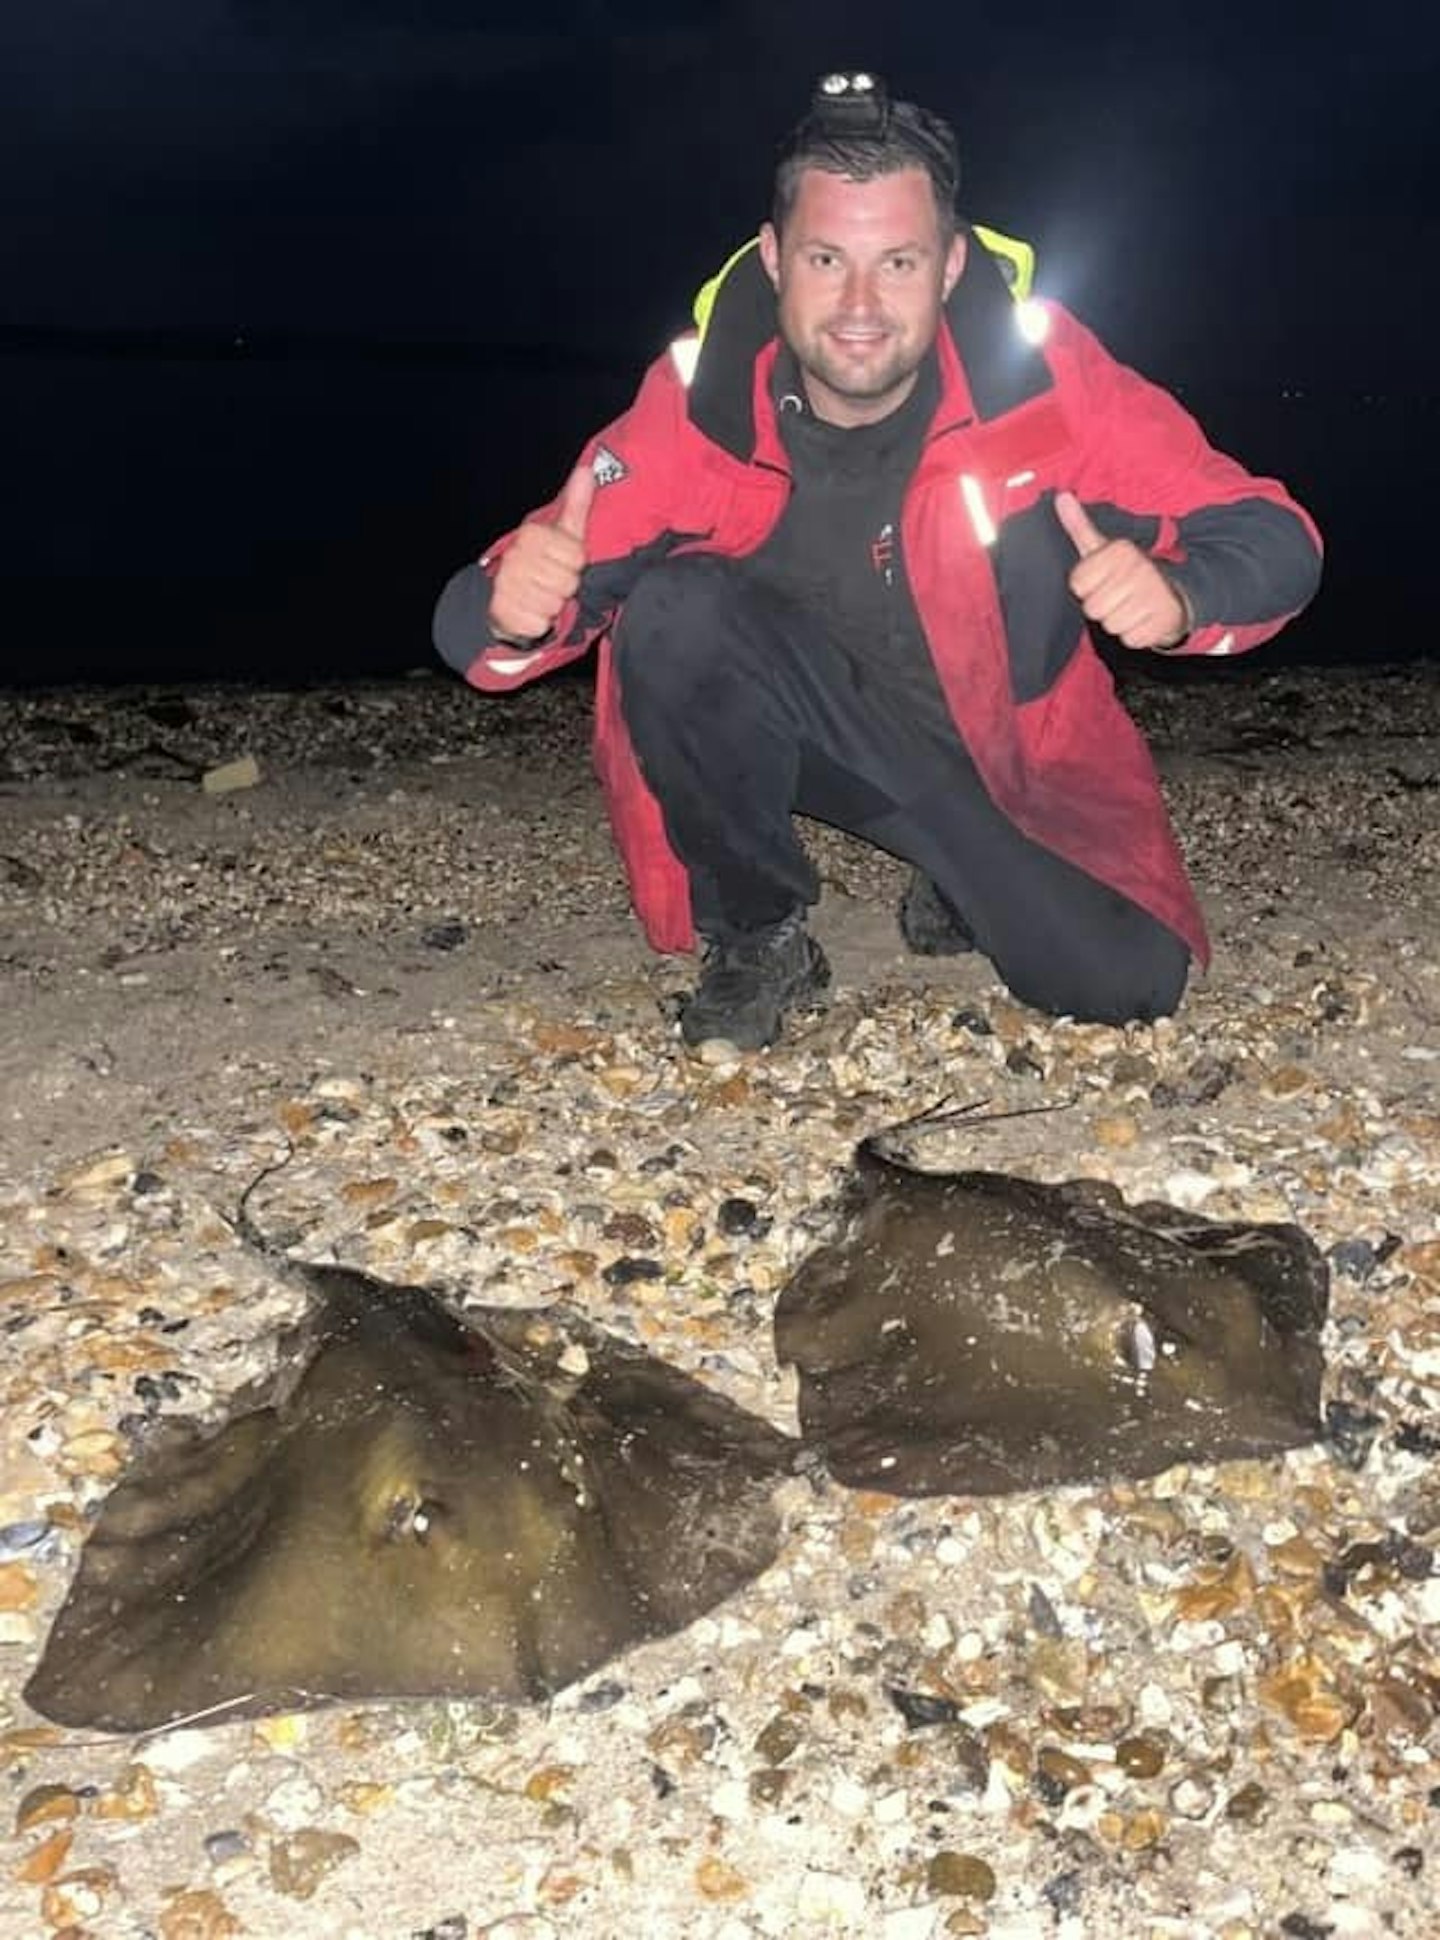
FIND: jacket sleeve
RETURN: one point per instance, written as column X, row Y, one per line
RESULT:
column 1245, row 555
column 636, row 460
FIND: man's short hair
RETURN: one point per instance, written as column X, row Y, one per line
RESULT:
column 908, row 137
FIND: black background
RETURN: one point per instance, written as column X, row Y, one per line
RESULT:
column 306, row 300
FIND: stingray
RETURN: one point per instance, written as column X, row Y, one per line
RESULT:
column 974, row 1332
column 424, row 1506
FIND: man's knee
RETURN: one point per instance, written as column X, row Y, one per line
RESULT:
column 1133, row 986
column 675, row 620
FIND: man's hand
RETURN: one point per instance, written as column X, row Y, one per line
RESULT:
column 1119, row 586
column 541, row 567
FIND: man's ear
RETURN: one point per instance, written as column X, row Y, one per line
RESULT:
column 954, row 263
column 770, row 252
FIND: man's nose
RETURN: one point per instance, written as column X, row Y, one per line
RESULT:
column 857, row 296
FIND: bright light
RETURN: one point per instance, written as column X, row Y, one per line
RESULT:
column 685, row 353
column 979, row 512
column 1033, row 320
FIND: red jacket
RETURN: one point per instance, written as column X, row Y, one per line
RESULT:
column 702, row 468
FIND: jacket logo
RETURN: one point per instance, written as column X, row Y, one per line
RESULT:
column 608, row 469
column 882, row 553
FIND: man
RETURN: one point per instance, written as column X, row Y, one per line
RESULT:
column 839, row 556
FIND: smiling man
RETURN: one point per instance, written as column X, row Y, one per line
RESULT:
column 839, row 557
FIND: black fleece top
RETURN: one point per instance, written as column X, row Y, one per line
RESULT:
column 836, row 551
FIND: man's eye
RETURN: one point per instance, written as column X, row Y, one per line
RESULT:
column 901, row 265
column 822, row 259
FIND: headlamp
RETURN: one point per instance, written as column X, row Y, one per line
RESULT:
column 850, row 104
column 855, row 106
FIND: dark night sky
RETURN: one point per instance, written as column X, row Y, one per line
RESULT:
column 1242, row 201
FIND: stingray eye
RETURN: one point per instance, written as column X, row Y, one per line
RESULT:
column 412, row 1519
column 1141, row 1347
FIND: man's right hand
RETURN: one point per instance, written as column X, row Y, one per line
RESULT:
column 541, row 567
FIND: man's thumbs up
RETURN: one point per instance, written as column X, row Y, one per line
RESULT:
column 576, row 500
column 1083, row 530
column 539, row 571
column 1119, row 586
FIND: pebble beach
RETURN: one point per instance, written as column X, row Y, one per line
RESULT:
column 380, row 928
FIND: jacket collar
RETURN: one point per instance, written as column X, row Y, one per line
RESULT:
column 728, row 392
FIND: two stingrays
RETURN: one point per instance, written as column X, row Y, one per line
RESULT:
column 496, row 1504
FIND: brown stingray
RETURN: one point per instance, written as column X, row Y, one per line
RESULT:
column 972, row 1332
column 431, row 1507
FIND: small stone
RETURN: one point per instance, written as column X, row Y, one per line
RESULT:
column 1191, row 1797
column 960, row 1875
column 224, row 1848
column 1140, row 1757
column 780, row 1739
column 603, row 1696
column 1057, row 1772
column 44, row 1861
column 98, row 1452
column 920, row 1709
column 972, row 1020
column 1144, row 1830
column 197, row 1915
column 1286, row 1081
column 1060, row 1669
column 737, row 1217
column 1131, row 1068
column 1044, row 1619
column 1356, row 1259
column 548, row 1783
column 133, row 1796
column 78, row 1897
column 364, row 1796
column 43, row 1806
column 1350, row 1432
column 299, row 1864
column 18, row 1587
column 1247, row 1805
column 1303, row 1693
column 628, row 1270
column 716, row 1880
column 244, row 772
column 448, row 935
column 632, row 1230
column 283, row 1732
column 1298, row 1926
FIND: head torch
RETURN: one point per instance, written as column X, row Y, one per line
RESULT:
column 856, row 107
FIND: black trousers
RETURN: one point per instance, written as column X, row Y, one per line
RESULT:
column 743, row 712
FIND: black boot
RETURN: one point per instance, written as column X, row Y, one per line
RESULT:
column 930, row 925
column 748, row 981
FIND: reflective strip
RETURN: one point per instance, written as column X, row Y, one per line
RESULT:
column 685, row 354
column 1020, row 478
column 1225, row 644
column 1033, row 320
column 979, row 513
column 509, row 665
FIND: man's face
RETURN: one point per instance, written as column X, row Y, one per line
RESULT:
column 861, row 273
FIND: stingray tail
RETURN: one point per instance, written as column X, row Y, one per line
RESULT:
column 875, row 1154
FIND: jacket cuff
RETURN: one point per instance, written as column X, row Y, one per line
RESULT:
column 461, row 626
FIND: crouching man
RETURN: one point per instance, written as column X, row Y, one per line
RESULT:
column 839, row 556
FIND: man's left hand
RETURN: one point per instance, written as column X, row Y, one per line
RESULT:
column 1119, row 586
